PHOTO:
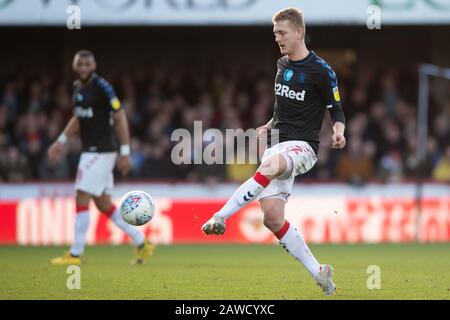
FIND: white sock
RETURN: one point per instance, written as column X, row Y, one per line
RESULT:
column 291, row 239
column 81, row 228
column 134, row 233
column 246, row 193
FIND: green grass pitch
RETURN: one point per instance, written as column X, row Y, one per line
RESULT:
column 409, row 271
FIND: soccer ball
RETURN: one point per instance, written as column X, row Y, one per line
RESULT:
column 137, row 208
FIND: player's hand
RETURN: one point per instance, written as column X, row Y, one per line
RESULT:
column 338, row 141
column 261, row 135
column 262, row 130
column 54, row 152
column 124, row 165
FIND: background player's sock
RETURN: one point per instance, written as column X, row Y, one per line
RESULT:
column 134, row 233
column 245, row 194
column 291, row 239
column 81, row 228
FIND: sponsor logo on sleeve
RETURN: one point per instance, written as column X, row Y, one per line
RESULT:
column 115, row 103
column 336, row 94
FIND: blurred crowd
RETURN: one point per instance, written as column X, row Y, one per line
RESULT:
column 35, row 105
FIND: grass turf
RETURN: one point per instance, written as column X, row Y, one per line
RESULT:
column 409, row 271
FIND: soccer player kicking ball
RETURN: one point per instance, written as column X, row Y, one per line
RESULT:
column 97, row 110
column 305, row 86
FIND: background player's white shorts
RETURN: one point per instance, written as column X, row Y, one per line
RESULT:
column 303, row 159
column 95, row 173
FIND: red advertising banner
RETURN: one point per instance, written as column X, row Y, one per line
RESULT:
column 49, row 221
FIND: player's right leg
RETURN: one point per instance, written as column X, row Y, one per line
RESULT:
column 270, row 169
column 81, row 228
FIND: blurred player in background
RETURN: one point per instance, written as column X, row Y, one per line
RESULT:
column 305, row 86
column 97, row 111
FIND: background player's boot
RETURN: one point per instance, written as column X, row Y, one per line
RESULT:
column 325, row 279
column 215, row 225
column 66, row 259
column 142, row 253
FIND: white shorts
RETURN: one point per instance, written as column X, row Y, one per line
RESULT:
column 95, row 173
column 303, row 159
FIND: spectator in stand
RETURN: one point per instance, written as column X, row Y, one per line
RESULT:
column 441, row 129
column 14, row 166
column 158, row 99
column 442, row 170
column 355, row 165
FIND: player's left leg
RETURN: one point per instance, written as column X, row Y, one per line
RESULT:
column 144, row 248
column 292, row 240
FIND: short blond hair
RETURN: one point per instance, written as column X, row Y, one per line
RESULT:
column 84, row 54
column 293, row 15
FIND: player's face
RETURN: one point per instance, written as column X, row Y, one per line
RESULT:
column 286, row 36
column 84, row 66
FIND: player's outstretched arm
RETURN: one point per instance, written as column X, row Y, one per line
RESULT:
column 71, row 129
column 121, row 126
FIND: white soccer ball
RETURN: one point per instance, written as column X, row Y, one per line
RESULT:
column 137, row 208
